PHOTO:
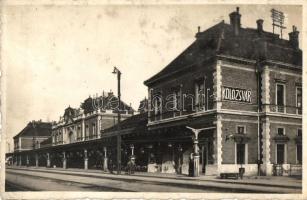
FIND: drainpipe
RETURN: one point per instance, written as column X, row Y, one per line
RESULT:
column 258, row 73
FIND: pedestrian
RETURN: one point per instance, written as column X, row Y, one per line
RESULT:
column 132, row 164
column 111, row 166
column 129, row 166
column 191, row 165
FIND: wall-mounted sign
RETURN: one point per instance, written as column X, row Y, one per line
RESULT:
column 236, row 94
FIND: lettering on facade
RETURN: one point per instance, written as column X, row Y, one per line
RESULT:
column 236, row 94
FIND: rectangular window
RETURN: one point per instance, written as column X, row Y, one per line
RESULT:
column 207, row 99
column 280, row 148
column 200, row 94
column 177, row 100
column 299, row 100
column 93, row 129
column 240, row 129
column 299, row 153
column 86, row 131
column 280, row 131
column 157, row 103
column 280, row 97
column 240, row 153
column 79, row 136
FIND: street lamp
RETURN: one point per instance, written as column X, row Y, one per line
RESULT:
column 116, row 71
column 195, row 146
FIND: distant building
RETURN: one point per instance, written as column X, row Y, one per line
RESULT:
column 86, row 122
column 143, row 107
column 32, row 135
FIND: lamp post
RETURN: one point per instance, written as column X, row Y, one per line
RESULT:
column 195, row 147
column 116, row 71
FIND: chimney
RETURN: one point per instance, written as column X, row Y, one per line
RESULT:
column 235, row 21
column 293, row 38
column 260, row 25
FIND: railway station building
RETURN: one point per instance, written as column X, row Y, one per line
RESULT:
column 243, row 86
column 230, row 100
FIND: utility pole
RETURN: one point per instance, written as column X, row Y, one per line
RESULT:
column 116, row 71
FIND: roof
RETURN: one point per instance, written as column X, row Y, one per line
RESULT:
column 46, row 142
column 35, row 128
column 108, row 102
column 221, row 40
column 136, row 122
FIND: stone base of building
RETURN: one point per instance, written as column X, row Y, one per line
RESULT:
column 281, row 170
column 250, row 169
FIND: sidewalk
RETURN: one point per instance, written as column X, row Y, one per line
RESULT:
column 264, row 181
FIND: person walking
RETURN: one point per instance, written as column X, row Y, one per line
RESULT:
column 132, row 164
column 111, row 166
column 191, row 165
column 129, row 167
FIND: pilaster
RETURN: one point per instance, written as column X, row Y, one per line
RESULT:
column 219, row 138
column 266, row 159
column 265, row 88
column 217, row 85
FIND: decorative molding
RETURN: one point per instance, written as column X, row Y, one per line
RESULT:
column 180, row 117
column 225, row 111
column 238, row 67
column 285, row 73
column 239, row 121
column 249, row 61
column 219, row 126
column 238, row 112
column 218, row 85
column 288, row 123
column 284, row 64
column 286, row 115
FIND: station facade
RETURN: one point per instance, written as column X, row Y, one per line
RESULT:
column 232, row 99
column 243, row 86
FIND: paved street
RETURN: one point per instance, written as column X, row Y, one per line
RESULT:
column 24, row 179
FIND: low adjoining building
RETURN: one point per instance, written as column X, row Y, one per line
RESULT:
column 30, row 138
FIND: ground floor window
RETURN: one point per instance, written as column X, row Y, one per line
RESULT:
column 299, row 154
column 280, row 154
column 240, row 153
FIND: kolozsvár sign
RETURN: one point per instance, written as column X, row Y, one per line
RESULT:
column 236, row 94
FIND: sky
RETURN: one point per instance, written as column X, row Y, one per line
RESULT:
column 56, row 56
